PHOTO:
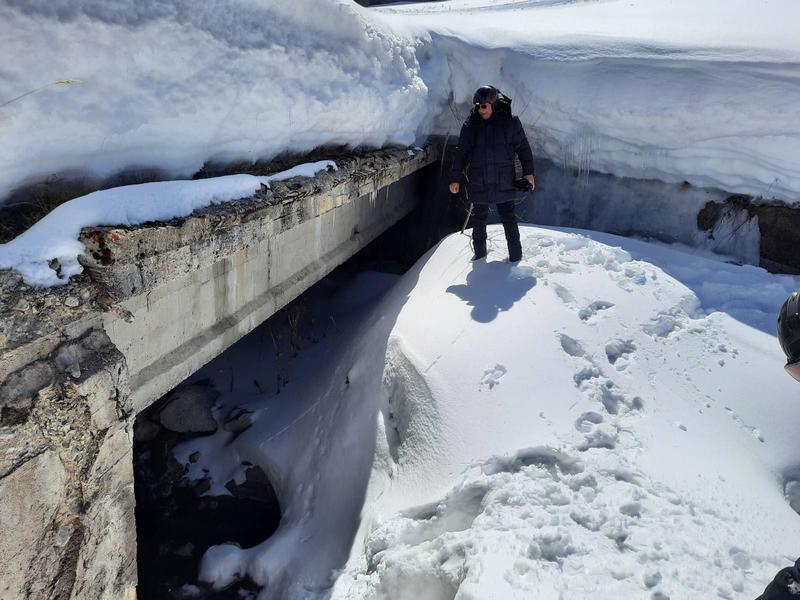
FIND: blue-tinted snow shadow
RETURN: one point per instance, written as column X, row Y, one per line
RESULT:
column 747, row 293
column 321, row 424
column 493, row 287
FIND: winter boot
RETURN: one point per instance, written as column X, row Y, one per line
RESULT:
column 509, row 220
column 512, row 239
column 514, row 251
column 480, row 249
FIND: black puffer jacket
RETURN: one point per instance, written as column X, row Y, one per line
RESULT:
column 486, row 149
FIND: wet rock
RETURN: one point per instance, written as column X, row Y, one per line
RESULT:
column 55, row 265
column 238, row 420
column 177, row 520
column 188, row 410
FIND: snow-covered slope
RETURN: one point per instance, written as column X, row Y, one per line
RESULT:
column 675, row 89
column 607, row 419
column 579, row 427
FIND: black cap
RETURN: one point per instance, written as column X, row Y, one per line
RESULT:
column 789, row 328
column 485, row 93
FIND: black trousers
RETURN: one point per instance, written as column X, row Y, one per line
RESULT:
column 480, row 215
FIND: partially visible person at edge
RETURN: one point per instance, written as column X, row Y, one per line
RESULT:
column 490, row 137
column 786, row 584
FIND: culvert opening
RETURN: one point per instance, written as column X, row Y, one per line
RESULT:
column 177, row 519
column 191, row 493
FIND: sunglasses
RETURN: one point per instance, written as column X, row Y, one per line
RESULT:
column 483, row 105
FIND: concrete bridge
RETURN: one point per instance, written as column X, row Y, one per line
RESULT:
column 158, row 301
column 154, row 304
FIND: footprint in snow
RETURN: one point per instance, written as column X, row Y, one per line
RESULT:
column 571, row 346
column 754, row 431
column 791, row 489
column 586, row 422
column 491, row 377
column 663, row 325
column 597, row 433
column 617, row 349
column 563, row 294
column 595, row 307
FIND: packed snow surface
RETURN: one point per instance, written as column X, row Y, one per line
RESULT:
column 705, row 92
column 607, row 419
column 55, row 236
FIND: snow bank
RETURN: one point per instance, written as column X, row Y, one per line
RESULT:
column 606, row 419
column 605, row 427
column 173, row 84
column 55, row 237
column 670, row 89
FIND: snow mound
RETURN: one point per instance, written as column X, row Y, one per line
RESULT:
column 173, row 84
column 601, row 428
column 594, row 422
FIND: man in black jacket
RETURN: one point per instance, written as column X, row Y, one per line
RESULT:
column 484, row 161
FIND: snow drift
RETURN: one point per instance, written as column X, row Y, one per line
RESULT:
column 173, row 84
column 674, row 90
column 607, row 419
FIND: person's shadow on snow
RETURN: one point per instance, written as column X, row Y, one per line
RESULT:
column 493, row 287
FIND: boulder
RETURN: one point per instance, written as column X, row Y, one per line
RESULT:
column 238, row 420
column 188, row 410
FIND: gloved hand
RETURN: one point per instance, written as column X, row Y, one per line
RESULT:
column 523, row 185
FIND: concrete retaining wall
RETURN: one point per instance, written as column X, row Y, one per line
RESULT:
column 154, row 304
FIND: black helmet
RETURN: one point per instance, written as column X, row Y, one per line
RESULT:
column 789, row 333
column 485, row 93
